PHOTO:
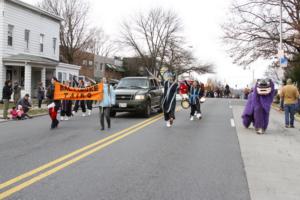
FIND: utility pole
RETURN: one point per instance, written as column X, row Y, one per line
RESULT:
column 280, row 46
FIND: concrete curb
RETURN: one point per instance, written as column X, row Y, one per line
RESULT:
column 280, row 111
column 38, row 115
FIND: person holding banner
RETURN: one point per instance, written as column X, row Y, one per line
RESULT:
column 53, row 105
column 169, row 99
column 89, row 103
column 80, row 103
column 109, row 99
column 66, row 107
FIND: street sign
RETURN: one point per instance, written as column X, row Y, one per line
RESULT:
column 283, row 61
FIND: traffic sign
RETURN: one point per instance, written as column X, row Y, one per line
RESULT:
column 283, row 62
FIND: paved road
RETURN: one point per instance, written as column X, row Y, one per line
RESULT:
column 191, row 161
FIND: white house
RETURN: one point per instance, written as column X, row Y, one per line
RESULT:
column 29, row 45
column 66, row 72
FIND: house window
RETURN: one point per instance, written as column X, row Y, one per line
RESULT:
column 54, row 45
column 59, row 76
column 27, row 32
column 101, row 66
column 90, row 63
column 10, row 35
column 84, row 62
column 42, row 42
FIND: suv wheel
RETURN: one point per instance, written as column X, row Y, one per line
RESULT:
column 147, row 112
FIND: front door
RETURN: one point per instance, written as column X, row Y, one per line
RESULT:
column 9, row 74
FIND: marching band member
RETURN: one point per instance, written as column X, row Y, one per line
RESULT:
column 66, row 107
column 89, row 103
column 195, row 94
column 80, row 103
column 109, row 99
column 53, row 105
column 169, row 99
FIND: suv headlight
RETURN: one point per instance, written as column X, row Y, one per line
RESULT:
column 139, row 97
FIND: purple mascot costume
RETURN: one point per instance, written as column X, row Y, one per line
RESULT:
column 258, row 106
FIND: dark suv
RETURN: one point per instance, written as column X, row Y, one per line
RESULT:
column 138, row 94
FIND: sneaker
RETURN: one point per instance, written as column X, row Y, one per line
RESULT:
column 66, row 118
column 168, row 124
column 89, row 112
column 260, row 131
column 83, row 115
column 199, row 116
column 292, row 126
column 171, row 121
column 192, row 118
column 73, row 112
column 287, row 126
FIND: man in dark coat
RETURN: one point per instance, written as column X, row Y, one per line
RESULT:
column 24, row 102
column 6, row 96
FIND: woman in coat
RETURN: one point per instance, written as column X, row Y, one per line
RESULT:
column 40, row 94
column 109, row 99
column 6, row 96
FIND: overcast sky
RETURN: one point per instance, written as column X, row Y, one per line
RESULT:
column 201, row 20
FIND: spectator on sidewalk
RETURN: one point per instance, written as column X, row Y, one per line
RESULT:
column 17, row 92
column 40, row 94
column 6, row 96
column 26, row 105
column 13, row 113
column 290, row 95
column 21, row 115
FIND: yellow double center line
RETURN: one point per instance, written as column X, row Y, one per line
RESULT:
column 69, row 159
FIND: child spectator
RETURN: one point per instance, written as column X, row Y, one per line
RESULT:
column 14, row 113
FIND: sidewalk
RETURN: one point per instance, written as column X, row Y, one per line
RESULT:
column 44, row 106
column 272, row 161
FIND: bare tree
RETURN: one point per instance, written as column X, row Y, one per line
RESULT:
column 150, row 34
column 101, row 44
column 253, row 30
column 75, row 36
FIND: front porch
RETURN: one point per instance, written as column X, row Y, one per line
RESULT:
column 28, row 71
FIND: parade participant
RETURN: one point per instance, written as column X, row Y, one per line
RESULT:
column 89, row 103
column 109, row 99
column 66, row 107
column 195, row 94
column 79, row 103
column 53, row 105
column 169, row 98
column 258, row 106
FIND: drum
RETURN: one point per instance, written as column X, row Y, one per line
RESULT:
column 185, row 104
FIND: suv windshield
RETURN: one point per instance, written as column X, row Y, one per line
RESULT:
column 134, row 83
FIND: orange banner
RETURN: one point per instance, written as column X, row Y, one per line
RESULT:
column 63, row 92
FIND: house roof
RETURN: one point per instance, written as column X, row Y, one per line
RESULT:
column 30, row 59
column 115, row 68
column 36, row 9
column 69, row 66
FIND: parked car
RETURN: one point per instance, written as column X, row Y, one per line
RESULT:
column 138, row 95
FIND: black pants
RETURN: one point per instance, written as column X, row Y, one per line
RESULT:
column 66, row 109
column 40, row 103
column 82, row 105
column 89, row 104
column 169, row 115
column 195, row 108
column 104, row 112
